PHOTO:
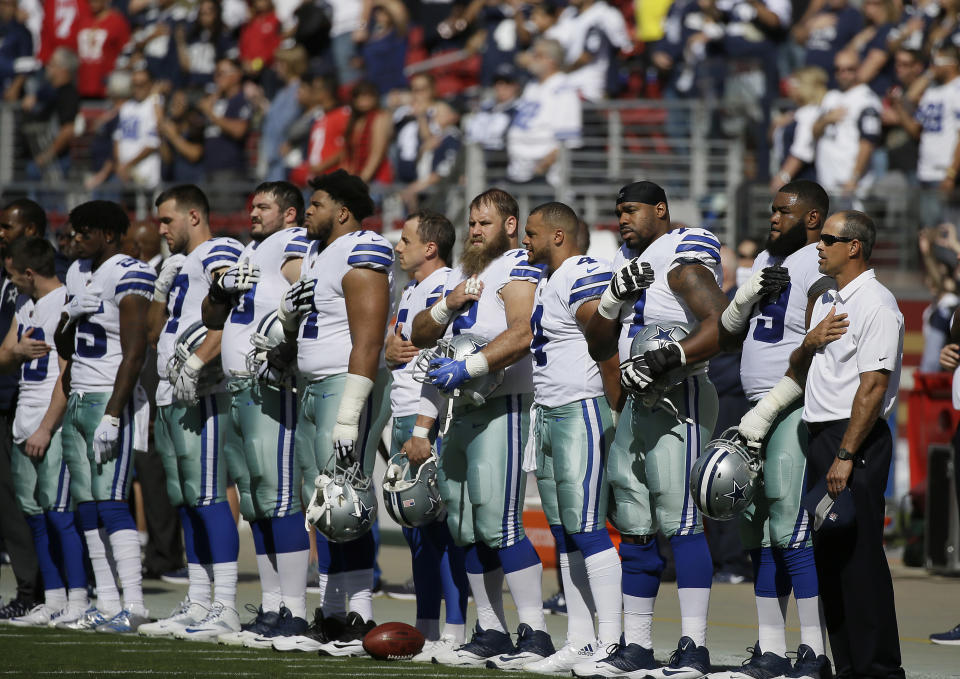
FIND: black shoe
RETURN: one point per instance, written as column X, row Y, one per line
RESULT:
column 350, row 641
column 14, row 609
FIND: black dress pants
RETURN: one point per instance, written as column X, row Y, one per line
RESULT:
column 855, row 584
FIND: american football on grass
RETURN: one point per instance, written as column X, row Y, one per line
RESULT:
column 393, row 641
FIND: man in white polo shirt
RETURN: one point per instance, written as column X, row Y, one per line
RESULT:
column 850, row 362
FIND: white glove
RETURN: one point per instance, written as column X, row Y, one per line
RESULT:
column 767, row 283
column 627, row 283
column 239, row 278
column 168, row 272
column 105, row 439
column 344, row 440
column 297, row 301
column 82, row 305
column 185, row 388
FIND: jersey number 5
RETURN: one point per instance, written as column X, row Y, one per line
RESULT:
column 770, row 322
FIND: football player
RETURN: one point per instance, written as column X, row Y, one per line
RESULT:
column 338, row 312
column 489, row 294
column 425, row 247
column 662, row 277
column 768, row 317
column 263, row 421
column 572, row 430
column 103, row 336
column 190, row 424
column 40, row 476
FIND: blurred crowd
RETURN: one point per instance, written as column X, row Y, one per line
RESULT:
column 206, row 91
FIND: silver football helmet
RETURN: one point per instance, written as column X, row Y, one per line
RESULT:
column 459, row 347
column 412, row 499
column 187, row 343
column 344, row 505
column 266, row 339
column 725, row 478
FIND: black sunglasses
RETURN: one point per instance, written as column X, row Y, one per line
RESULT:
column 829, row 239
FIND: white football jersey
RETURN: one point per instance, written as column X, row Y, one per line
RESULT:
column 39, row 376
column 270, row 255
column 939, row 113
column 658, row 303
column 185, row 299
column 487, row 316
column 563, row 371
column 777, row 328
column 405, row 392
column 324, row 343
column 97, row 353
column 838, row 147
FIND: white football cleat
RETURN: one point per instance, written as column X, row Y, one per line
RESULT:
column 187, row 613
column 39, row 616
column 445, row 644
column 68, row 614
column 564, row 660
column 220, row 620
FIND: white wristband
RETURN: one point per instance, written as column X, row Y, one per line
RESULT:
column 609, row 305
column 476, row 365
column 784, row 392
column 421, row 432
column 441, row 313
column 355, row 393
column 737, row 314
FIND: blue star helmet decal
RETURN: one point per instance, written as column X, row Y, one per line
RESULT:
column 738, row 492
column 664, row 335
column 363, row 512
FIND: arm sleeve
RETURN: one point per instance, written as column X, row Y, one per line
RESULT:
column 587, row 286
column 879, row 343
column 223, row 254
column 869, row 124
column 371, row 255
column 699, row 247
column 296, row 248
column 525, row 271
column 138, row 280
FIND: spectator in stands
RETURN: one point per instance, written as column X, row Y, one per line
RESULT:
column 384, row 51
column 794, row 133
column 228, row 123
column 325, row 144
column 101, row 37
column 548, row 117
column 367, row 138
column 940, row 263
column 876, row 66
column 158, row 21
column 56, row 104
column 202, row 43
column 259, row 38
column 280, row 112
column 488, row 126
column 911, row 32
column 497, row 23
column 61, row 20
column 826, row 31
column 592, row 36
column 181, row 127
column 412, row 123
column 443, row 23
column 15, row 43
column 902, row 100
column 847, row 132
column 347, row 25
column 747, row 250
column 438, row 164
column 136, row 149
column 101, row 144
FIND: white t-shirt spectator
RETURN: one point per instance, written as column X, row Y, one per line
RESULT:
column 549, row 115
column 838, row 147
column 939, row 113
column 804, row 146
column 599, row 31
column 137, row 130
column 345, row 16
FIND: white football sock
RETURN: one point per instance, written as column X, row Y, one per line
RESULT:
column 638, row 620
column 269, row 583
column 605, row 576
column 429, row 628
column 78, row 597
column 126, row 554
column 812, row 623
column 771, row 618
column 576, row 591
column 694, row 603
column 487, row 591
column 358, row 586
column 198, row 589
column 526, row 588
column 458, row 632
column 55, row 599
column 108, row 596
column 292, row 567
column 225, row 584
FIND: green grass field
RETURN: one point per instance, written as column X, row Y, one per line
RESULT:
column 31, row 652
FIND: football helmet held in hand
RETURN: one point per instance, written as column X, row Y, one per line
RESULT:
column 412, row 497
column 344, row 504
column 725, row 478
column 644, row 374
column 458, row 347
column 273, row 359
column 185, row 345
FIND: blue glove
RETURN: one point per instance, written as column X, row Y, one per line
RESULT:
column 447, row 374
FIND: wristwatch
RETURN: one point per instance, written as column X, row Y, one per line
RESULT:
column 844, row 454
